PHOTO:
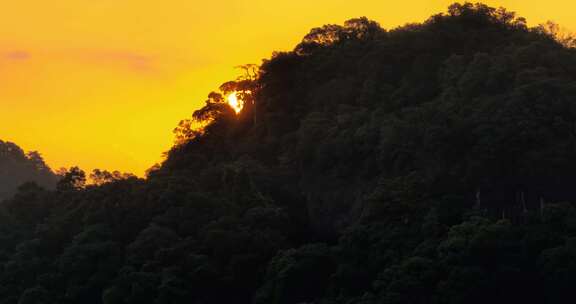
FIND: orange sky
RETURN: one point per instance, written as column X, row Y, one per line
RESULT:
column 101, row 83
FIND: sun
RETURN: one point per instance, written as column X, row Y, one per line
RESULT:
column 235, row 103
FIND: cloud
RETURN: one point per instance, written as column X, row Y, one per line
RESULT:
column 17, row 55
column 118, row 59
column 124, row 59
column 145, row 63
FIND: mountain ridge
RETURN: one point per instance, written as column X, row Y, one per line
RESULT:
column 18, row 167
column 431, row 163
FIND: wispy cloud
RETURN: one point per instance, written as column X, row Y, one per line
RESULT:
column 144, row 63
column 124, row 59
column 17, row 55
column 120, row 59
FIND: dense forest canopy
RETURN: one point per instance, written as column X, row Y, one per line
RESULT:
column 18, row 167
column 431, row 163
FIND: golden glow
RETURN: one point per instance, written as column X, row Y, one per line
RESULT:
column 235, row 103
column 101, row 84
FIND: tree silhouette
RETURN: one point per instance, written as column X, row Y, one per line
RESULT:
column 18, row 167
column 72, row 179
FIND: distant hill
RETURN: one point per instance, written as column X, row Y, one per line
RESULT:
column 431, row 163
column 18, row 167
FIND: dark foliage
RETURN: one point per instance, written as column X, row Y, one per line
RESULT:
column 432, row 163
column 18, row 167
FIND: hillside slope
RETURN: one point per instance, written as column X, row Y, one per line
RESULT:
column 432, row 163
column 18, row 167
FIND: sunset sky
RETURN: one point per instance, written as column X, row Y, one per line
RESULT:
column 102, row 83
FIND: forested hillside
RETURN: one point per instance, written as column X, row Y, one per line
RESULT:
column 18, row 167
column 431, row 163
